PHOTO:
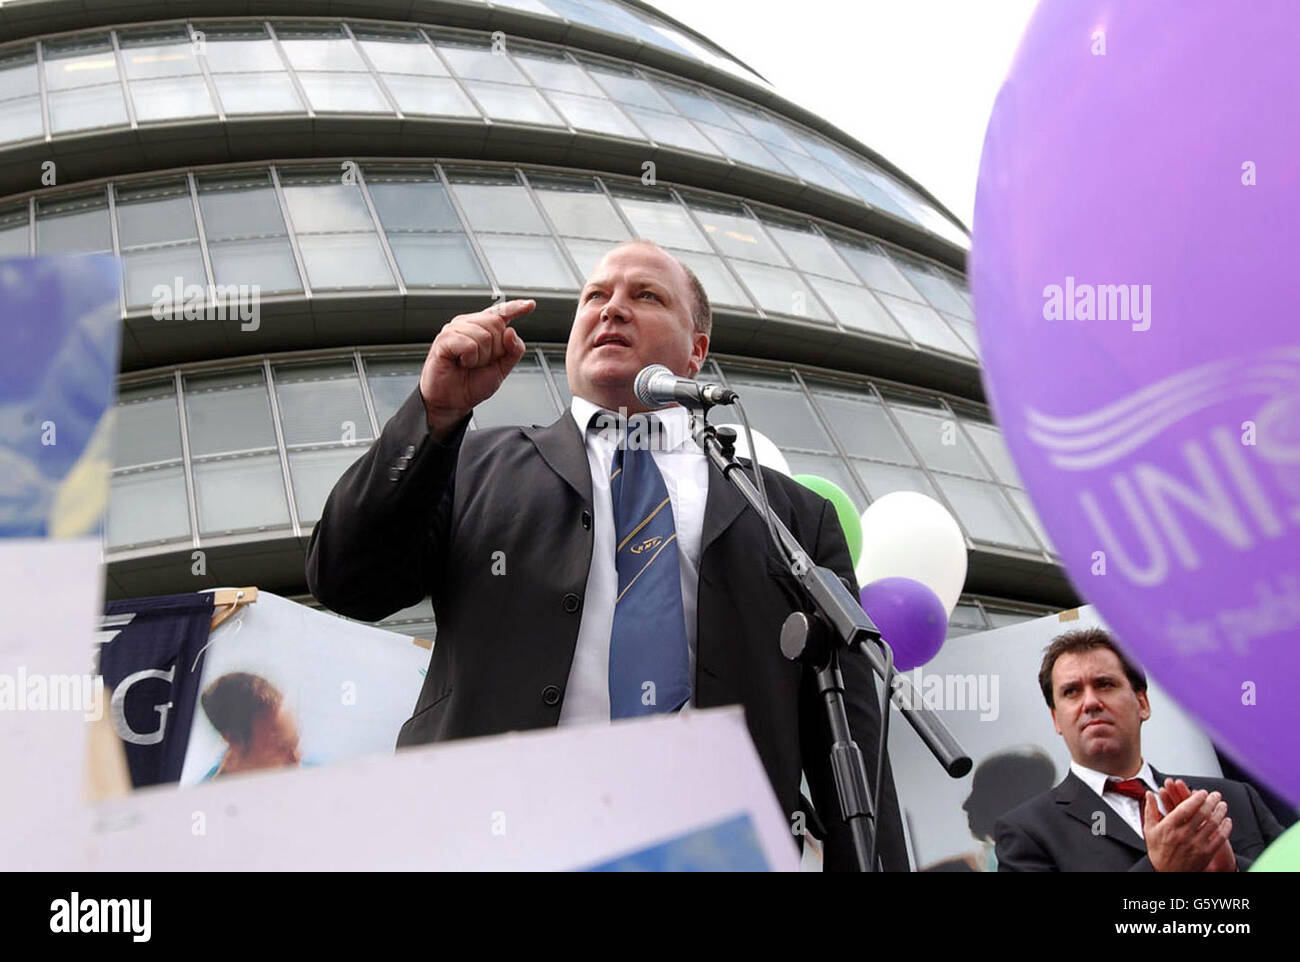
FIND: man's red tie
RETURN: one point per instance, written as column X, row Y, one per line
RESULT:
column 1132, row 787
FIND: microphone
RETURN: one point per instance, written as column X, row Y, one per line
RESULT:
column 657, row 386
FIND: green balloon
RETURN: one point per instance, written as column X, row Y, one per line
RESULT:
column 850, row 519
column 1283, row 855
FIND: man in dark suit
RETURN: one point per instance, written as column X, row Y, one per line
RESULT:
column 575, row 578
column 1114, row 812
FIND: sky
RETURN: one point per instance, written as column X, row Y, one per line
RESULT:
column 914, row 80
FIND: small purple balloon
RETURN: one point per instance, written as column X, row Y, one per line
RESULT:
column 910, row 617
column 1133, row 266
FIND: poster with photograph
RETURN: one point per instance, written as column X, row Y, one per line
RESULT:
column 284, row 685
column 985, row 688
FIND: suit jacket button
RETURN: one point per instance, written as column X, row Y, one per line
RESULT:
column 394, row 473
column 551, row 695
column 571, row 602
column 586, row 520
column 409, row 452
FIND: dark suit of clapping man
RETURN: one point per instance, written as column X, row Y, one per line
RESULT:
column 1114, row 812
column 577, row 576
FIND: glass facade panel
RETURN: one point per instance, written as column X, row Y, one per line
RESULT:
column 436, row 260
column 339, row 261
column 941, row 443
column 391, row 382
column 783, row 415
column 14, row 234
column 925, row 326
column 738, row 235
column 985, row 512
column 263, row 93
column 228, row 412
column 811, row 252
column 829, row 467
column 22, row 120
column 579, row 209
column 590, row 113
column 877, row 271
column 522, row 105
column 320, row 202
column 240, row 494
column 148, row 427
column 152, row 267
column 661, row 219
column 432, row 96
column 863, row 427
column 520, row 261
column 404, row 53
column 883, row 479
column 857, row 307
column 87, row 108
column 238, row 49
column 79, row 62
column 171, row 98
column 629, row 89
column 523, row 398
column 672, row 131
column 480, row 63
column 321, row 404
column 780, row 290
column 73, row 225
column 314, row 474
column 146, row 507
column 343, row 93
column 497, row 204
column 989, row 440
column 159, row 53
column 557, row 73
column 717, row 280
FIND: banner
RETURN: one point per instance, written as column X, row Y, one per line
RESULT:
column 151, row 657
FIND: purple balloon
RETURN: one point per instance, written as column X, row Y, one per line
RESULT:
column 1142, row 153
column 910, row 617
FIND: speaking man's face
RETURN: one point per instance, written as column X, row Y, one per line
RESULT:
column 1097, row 711
column 634, row 310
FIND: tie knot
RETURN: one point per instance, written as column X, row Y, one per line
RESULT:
column 1134, row 788
column 636, row 431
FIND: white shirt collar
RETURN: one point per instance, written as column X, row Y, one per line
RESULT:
column 676, row 421
column 1097, row 780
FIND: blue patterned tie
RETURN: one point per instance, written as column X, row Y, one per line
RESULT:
column 649, row 663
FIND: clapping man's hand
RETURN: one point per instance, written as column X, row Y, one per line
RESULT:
column 1192, row 834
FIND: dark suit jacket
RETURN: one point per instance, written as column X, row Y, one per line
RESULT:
column 414, row 517
column 1053, row 832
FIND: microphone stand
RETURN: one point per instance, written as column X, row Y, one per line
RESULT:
column 837, row 621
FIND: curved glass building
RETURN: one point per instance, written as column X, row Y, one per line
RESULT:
column 358, row 179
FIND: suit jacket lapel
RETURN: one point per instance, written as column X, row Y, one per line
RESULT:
column 722, row 507
column 561, row 446
column 1080, row 802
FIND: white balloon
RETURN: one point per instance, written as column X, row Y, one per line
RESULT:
column 769, row 455
column 906, row 534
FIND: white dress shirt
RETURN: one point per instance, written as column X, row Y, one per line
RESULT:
column 1129, row 809
column 686, row 476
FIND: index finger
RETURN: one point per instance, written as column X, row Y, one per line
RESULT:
column 508, row 311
